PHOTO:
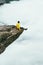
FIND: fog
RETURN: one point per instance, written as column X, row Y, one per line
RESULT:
column 28, row 48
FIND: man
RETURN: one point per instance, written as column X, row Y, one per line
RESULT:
column 18, row 25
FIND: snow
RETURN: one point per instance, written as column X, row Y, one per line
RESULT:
column 28, row 48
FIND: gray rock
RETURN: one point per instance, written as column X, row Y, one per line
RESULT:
column 6, row 1
column 2, row 1
column 8, row 34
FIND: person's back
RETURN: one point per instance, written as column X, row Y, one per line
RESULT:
column 18, row 25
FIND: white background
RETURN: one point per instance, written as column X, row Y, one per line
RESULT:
column 28, row 48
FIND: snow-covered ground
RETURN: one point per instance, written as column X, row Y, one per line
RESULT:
column 28, row 48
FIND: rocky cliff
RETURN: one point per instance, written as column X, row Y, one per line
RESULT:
column 8, row 34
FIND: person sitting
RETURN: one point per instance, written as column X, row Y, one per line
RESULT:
column 18, row 25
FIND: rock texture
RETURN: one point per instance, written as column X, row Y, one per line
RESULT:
column 8, row 34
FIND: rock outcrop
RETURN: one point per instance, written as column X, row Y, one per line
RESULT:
column 6, row 1
column 8, row 34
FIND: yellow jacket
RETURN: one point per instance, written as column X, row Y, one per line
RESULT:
column 18, row 25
